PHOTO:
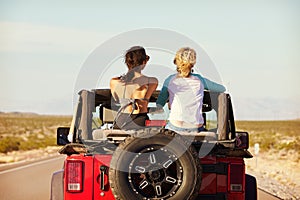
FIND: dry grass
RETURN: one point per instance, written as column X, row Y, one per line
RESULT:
column 29, row 131
column 277, row 136
column 19, row 131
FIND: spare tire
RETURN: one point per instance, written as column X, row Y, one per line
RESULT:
column 162, row 166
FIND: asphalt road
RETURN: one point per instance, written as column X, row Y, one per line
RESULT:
column 32, row 181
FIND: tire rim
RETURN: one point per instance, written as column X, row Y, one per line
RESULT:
column 155, row 172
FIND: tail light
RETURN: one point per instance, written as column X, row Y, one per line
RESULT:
column 237, row 172
column 74, row 175
column 155, row 122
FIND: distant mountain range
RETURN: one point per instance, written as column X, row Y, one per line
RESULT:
column 26, row 114
column 266, row 109
column 244, row 109
column 19, row 113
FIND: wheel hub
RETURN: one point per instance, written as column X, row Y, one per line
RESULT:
column 155, row 173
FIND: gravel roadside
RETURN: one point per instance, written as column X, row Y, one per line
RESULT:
column 276, row 174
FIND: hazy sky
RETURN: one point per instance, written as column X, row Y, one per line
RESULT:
column 254, row 45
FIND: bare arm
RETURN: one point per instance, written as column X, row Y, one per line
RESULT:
column 153, row 82
column 113, row 83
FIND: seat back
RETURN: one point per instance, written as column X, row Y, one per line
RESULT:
column 108, row 115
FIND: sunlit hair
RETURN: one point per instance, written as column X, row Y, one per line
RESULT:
column 185, row 60
column 134, row 58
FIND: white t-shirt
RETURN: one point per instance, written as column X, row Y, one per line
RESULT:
column 186, row 97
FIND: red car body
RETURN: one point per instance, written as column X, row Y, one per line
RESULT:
column 87, row 173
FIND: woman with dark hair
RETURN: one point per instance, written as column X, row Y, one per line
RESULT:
column 133, row 90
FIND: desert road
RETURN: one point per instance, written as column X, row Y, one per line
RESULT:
column 32, row 181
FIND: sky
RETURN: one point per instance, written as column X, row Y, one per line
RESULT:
column 254, row 46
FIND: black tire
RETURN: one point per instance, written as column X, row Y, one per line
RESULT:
column 163, row 166
column 250, row 188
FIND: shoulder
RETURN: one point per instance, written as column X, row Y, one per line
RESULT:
column 171, row 77
column 168, row 79
column 115, row 78
column 114, row 81
column 153, row 80
column 197, row 75
column 149, row 79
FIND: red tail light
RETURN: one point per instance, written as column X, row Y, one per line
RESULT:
column 236, row 177
column 74, row 175
column 155, row 122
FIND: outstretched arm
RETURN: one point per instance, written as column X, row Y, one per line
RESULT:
column 210, row 85
column 213, row 86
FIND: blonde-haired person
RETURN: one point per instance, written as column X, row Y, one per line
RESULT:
column 185, row 92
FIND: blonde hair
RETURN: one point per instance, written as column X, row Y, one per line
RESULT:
column 185, row 60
